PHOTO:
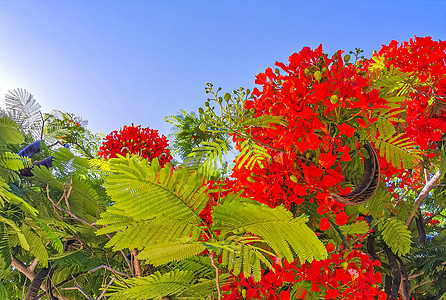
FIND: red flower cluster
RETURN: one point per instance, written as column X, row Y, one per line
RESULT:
column 424, row 59
column 345, row 275
column 144, row 142
column 311, row 96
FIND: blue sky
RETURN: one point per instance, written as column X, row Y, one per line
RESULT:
column 122, row 62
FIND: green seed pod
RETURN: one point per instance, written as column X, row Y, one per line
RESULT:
column 317, row 75
column 200, row 110
column 253, row 174
column 307, row 71
column 307, row 155
column 324, row 69
column 347, row 58
column 334, row 99
column 202, row 127
column 344, row 265
column 293, row 178
column 250, row 179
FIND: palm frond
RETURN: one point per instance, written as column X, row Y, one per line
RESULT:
column 25, row 110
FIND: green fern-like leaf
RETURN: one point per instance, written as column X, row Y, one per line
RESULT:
column 13, row 161
column 144, row 191
column 153, row 286
column 147, row 233
column 240, row 256
column 251, row 154
column 5, row 248
column 288, row 237
column 67, row 162
column 200, row 265
column 207, row 156
column 22, row 239
column 264, row 121
column 159, row 254
column 355, row 228
column 55, row 241
column 401, row 152
column 379, row 204
column 396, row 235
column 9, row 131
column 37, row 248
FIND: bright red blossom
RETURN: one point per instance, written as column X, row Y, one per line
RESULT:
column 344, row 275
column 144, row 142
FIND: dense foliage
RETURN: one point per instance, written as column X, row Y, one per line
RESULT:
column 337, row 191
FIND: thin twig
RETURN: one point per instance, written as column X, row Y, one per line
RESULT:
column 105, row 289
column 67, row 203
column 217, row 278
column 83, row 149
column 429, row 95
column 85, row 273
column 80, row 290
column 67, row 211
column 421, row 284
column 24, row 287
column 110, row 269
column 82, row 220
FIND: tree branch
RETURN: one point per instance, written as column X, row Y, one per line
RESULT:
column 217, row 278
column 33, row 265
column 22, row 268
column 136, row 263
column 432, row 183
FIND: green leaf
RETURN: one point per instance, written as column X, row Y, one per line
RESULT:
column 5, row 248
column 360, row 227
column 396, row 235
column 153, row 286
column 9, row 132
column 288, row 237
column 21, row 236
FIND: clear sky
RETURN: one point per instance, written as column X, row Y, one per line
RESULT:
column 121, row 62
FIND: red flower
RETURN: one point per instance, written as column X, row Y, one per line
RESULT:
column 346, row 129
column 324, row 224
column 144, row 142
